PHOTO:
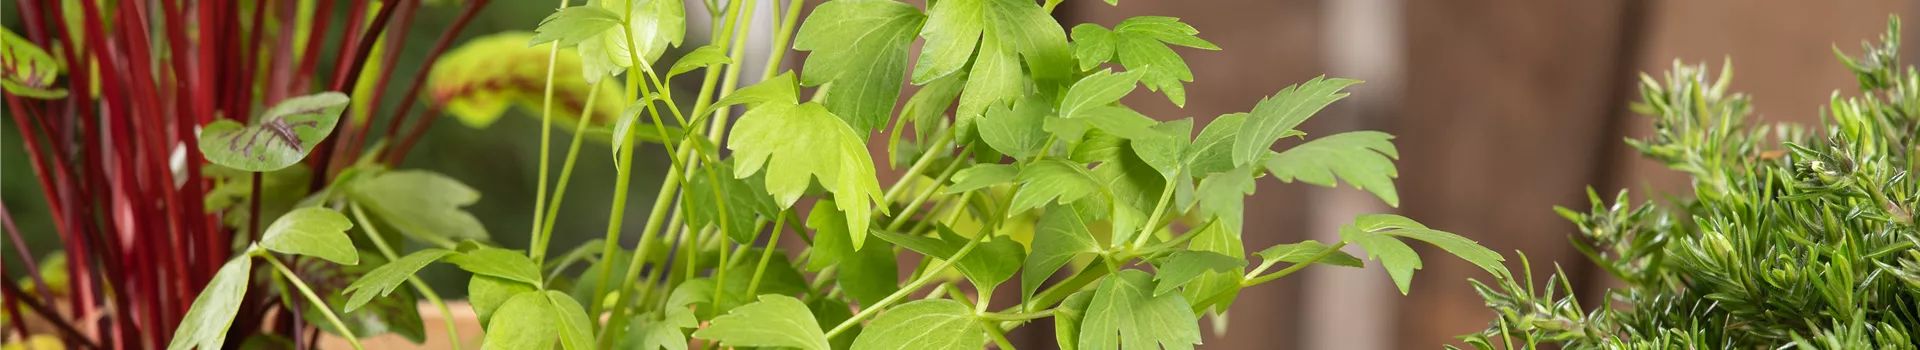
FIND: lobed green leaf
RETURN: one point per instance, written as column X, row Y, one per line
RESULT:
column 312, row 231
column 1276, row 116
column 1362, row 158
column 932, row 324
column 776, row 320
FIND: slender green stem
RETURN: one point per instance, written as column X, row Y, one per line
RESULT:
column 1057, row 292
column 869, row 310
column 952, row 167
column 1153, row 221
column 780, row 39
column 673, row 225
column 617, row 215
column 773, row 241
column 681, row 234
column 720, row 271
column 319, row 304
column 1019, row 317
column 633, row 59
column 539, row 251
column 725, row 26
column 1176, row 241
column 986, row 297
column 661, row 205
column 1249, row 280
column 453, row 332
column 373, row 234
column 919, row 164
column 566, row 168
column 999, row 337
column 945, row 288
column 822, row 279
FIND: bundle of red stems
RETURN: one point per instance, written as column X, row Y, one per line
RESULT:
column 139, row 243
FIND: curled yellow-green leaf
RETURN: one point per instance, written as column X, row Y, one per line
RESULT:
column 26, row 70
column 481, row 79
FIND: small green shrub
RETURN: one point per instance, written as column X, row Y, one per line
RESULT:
column 1792, row 237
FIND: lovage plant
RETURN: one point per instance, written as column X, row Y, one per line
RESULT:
column 1018, row 162
column 1793, row 237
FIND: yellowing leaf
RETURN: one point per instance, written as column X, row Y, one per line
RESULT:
column 27, row 70
column 478, row 81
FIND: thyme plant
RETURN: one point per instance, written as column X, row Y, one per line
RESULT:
column 1019, row 161
column 1793, row 237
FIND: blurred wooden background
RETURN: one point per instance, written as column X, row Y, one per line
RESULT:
column 1503, row 109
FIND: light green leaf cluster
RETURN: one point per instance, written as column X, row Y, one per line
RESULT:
column 1024, row 161
column 796, row 143
column 1140, row 44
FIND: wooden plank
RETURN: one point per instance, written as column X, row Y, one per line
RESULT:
column 1501, row 105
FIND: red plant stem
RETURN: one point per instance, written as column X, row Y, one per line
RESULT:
column 123, row 190
column 26, row 254
column 71, row 188
column 102, row 240
column 413, row 91
column 395, row 43
column 12, row 312
column 208, row 59
column 322, row 16
column 253, row 210
column 356, row 21
column 30, row 12
column 156, row 177
column 400, row 149
column 58, row 195
column 241, row 99
column 188, row 220
column 346, row 75
column 47, row 189
column 281, row 79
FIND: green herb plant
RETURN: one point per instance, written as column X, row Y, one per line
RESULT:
column 1018, row 162
column 1792, row 238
